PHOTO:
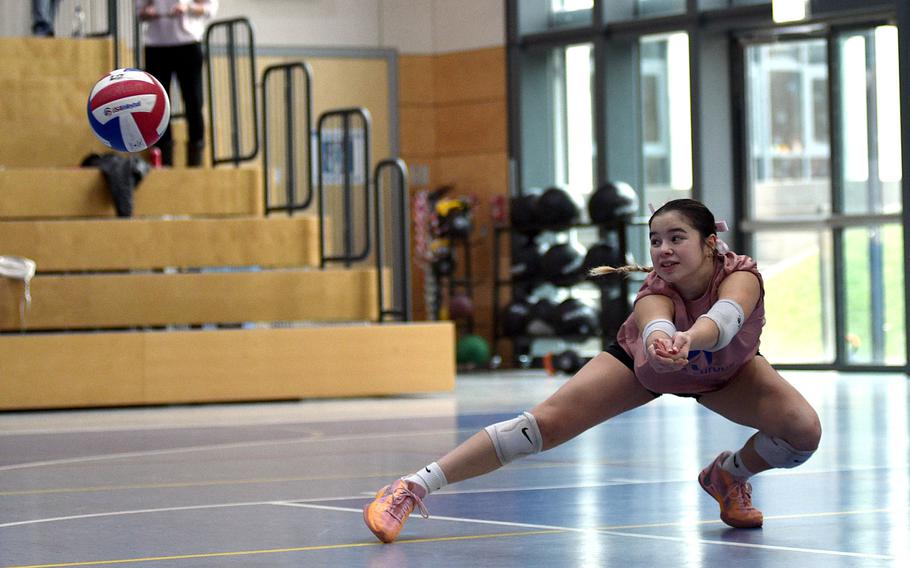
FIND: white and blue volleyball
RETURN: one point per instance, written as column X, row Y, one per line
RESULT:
column 128, row 110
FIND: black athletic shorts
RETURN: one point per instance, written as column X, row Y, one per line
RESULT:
column 616, row 350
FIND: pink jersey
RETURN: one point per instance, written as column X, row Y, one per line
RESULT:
column 706, row 371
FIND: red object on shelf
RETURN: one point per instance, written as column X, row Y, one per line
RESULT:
column 498, row 210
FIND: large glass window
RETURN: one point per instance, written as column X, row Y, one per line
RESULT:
column 797, row 268
column 537, row 16
column 854, row 253
column 578, row 175
column 666, row 117
column 557, row 119
column 789, row 166
column 788, row 130
column 870, row 114
column 647, row 8
column 665, row 125
column 870, row 179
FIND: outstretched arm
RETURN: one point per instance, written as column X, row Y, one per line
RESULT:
column 654, row 317
column 714, row 330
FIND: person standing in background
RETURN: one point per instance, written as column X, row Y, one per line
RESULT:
column 173, row 45
column 43, row 15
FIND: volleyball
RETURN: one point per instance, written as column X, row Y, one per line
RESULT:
column 128, row 110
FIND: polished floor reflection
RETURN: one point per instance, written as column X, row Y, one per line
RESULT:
column 282, row 484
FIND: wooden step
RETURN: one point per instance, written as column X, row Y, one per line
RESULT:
column 72, row 370
column 85, row 59
column 135, row 244
column 57, row 101
column 41, row 193
column 45, row 85
column 37, row 143
column 158, row 299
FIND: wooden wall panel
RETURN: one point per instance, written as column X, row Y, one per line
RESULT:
column 134, row 244
column 418, row 131
column 471, row 128
column 470, row 76
column 469, row 104
column 416, row 84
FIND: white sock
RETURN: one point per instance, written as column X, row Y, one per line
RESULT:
column 431, row 478
column 734, row 464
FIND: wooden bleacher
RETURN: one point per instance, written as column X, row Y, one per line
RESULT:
column 197, row 298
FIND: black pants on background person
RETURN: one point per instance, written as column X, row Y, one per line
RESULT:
column 184, row 61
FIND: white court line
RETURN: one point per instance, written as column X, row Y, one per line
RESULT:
column 596, row 530
column 311, row 504
column 315, row 437
column 165, row 510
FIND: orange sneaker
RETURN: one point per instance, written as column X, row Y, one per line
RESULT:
column 391, row 507
column 733, row 495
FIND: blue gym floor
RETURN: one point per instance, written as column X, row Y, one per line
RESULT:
column 283, row 484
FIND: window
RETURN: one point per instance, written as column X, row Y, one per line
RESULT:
column 666, row 117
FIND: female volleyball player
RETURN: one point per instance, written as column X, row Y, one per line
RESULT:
column 694, row 331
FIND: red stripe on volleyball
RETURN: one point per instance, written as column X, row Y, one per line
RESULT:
column 123, row 89
column 148, row 123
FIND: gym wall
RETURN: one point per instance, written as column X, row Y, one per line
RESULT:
column 453, row 124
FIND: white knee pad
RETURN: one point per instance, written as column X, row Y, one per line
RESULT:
column 779, row 453
column 515, row 438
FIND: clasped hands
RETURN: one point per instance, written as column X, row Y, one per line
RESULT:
column 668, row 354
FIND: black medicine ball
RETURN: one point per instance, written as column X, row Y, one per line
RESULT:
column 523, row 212
column 612, row 201
column 569, row 362
column 574, row 317
column 543, row 312
column 562, row 264
column 525, row 262
column 515, row 318
column 603, row 254
column 556, row 208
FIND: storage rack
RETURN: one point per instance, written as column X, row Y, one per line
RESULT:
column 522, row 344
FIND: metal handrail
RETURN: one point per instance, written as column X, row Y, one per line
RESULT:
column 403, row 313
column 235, row 156
column 347, row 159
column 290, row 135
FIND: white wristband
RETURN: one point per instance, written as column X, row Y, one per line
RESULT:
column 663, row 325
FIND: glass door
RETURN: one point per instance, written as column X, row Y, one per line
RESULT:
column 822, row 204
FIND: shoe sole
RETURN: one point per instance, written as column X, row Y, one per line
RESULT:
column 723, row 514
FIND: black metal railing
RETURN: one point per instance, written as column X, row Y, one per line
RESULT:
column 286, row 162
column 401, row 266
column 232, row 91
column 337, row 151
column 95, row 18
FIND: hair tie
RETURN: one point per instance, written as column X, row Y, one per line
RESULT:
column 721, row 226
column 651, row 208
